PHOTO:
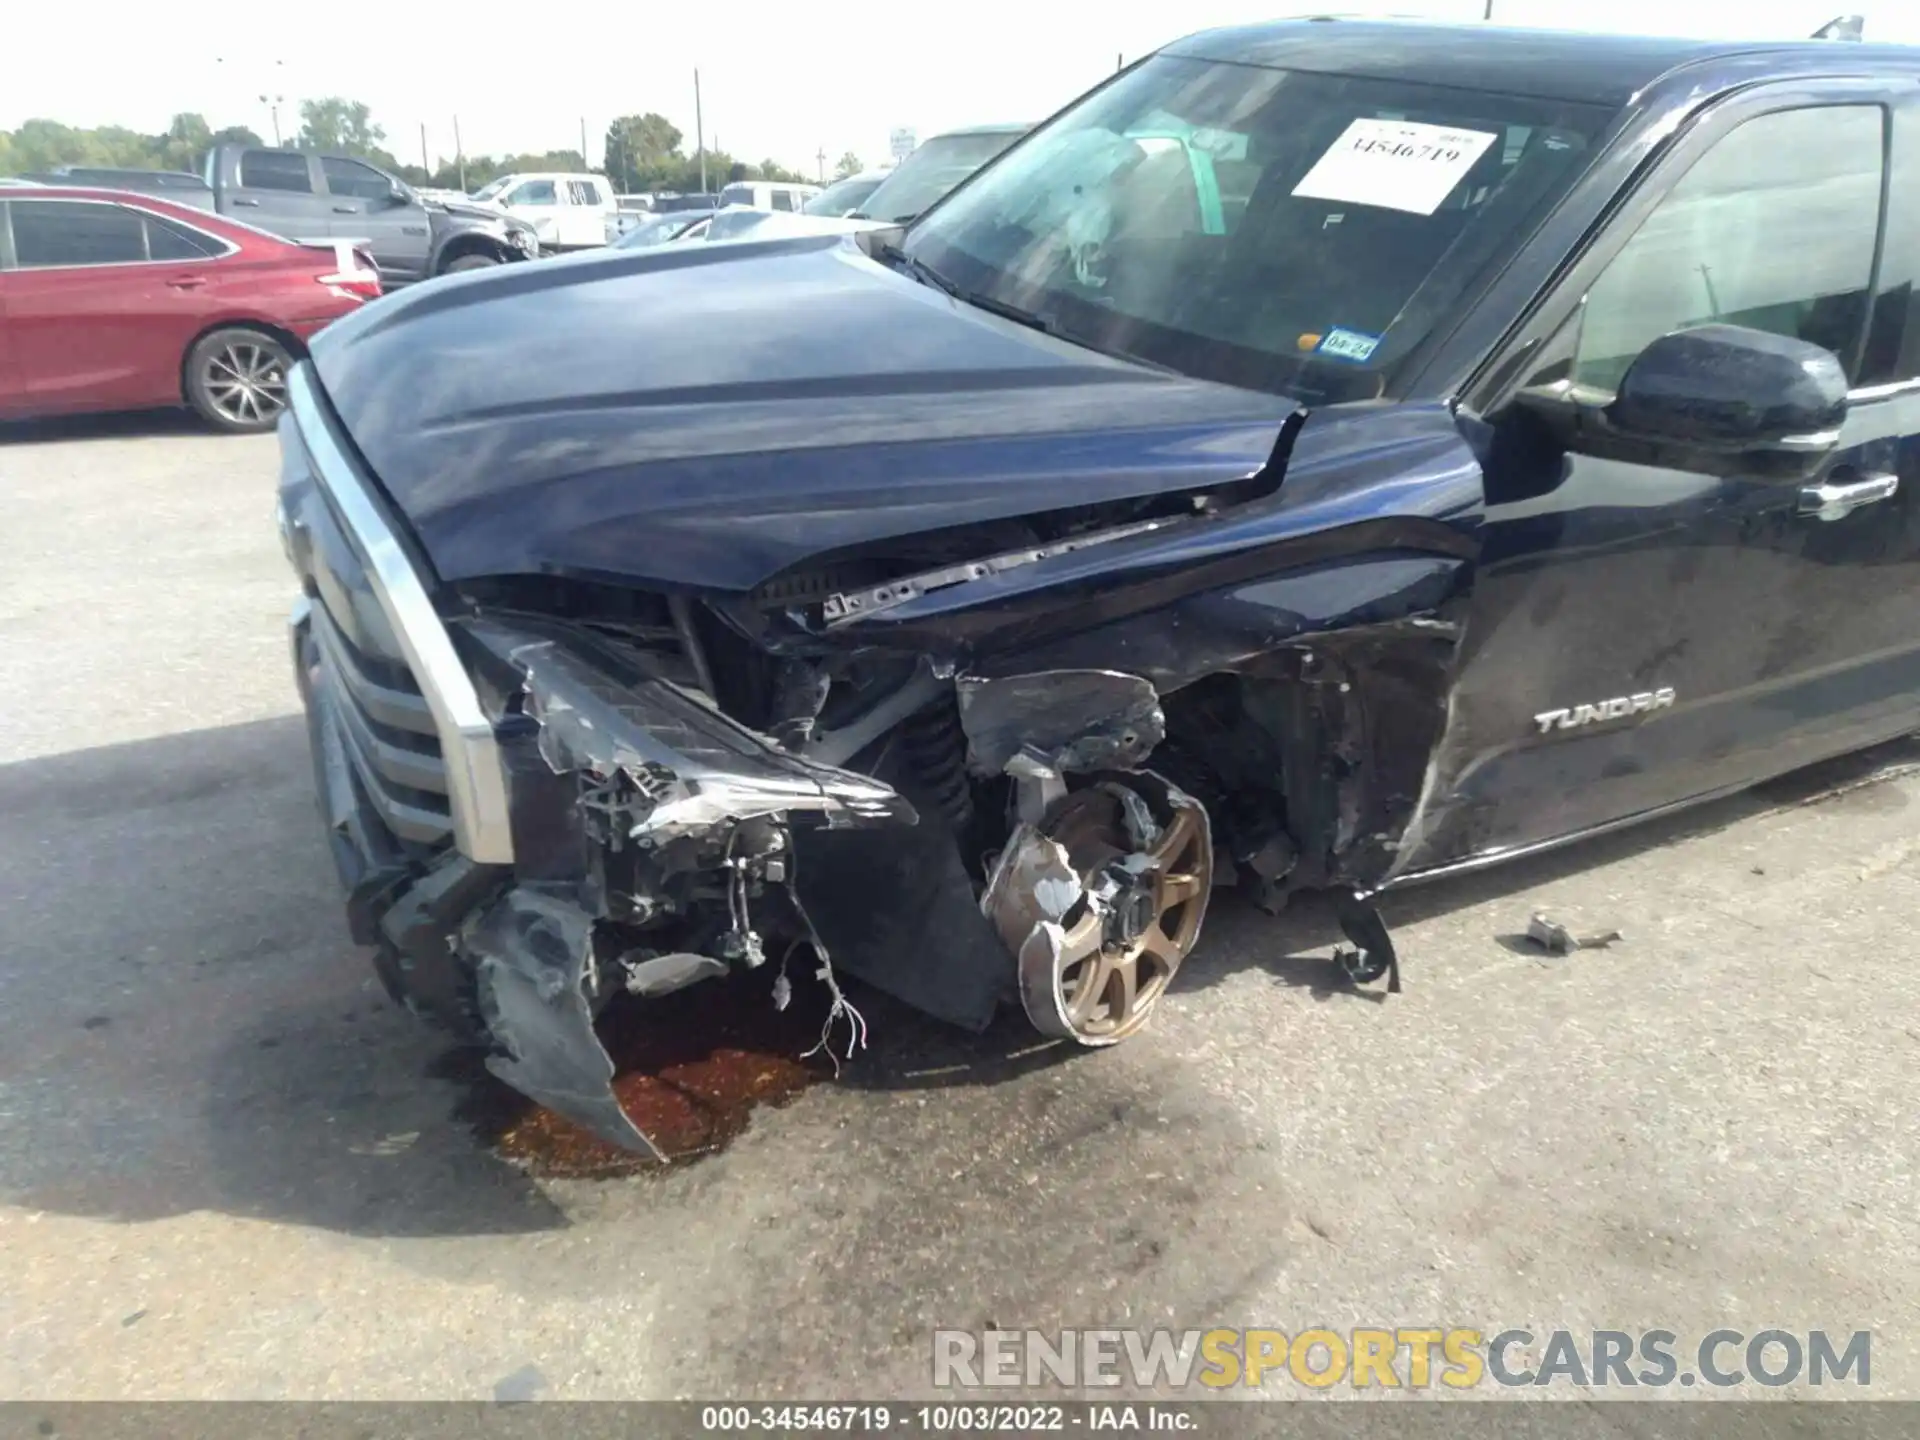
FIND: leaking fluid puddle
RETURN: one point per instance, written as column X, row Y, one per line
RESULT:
column 689, row 1068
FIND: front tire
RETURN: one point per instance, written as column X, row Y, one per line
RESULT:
column 470, row 262
column 237, row 380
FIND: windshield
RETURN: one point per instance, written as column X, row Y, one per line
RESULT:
column 842, row 196
column 930, row 172
column 487, row 192
column 1278, row 230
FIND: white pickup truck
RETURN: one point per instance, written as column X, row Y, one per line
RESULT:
column 567, row 212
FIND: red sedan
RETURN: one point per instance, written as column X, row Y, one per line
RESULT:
column 116, row 301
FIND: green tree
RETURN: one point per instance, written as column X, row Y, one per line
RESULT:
column 482, row 169
column 186, row 141
column 235, row 135
column 641, row 149
column 43, row 144
column 333, row 123
column 847, row 165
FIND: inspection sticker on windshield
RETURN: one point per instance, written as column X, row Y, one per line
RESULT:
column 1396, row 164
column 1354, row 345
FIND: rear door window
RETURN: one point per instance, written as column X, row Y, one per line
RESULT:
column 275, row 170
column 48, row 234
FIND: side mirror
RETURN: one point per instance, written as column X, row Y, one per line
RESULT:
column 399, row 194
column 1730, row 389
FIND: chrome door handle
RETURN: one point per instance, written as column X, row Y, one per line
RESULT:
column 1833, row 499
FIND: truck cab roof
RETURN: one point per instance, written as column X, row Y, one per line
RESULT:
column 1567, row 65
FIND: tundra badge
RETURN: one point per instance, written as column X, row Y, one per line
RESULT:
column 1618, row 708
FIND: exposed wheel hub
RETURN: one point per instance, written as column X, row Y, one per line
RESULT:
column 1101, row 902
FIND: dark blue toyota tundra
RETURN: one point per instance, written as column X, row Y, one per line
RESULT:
column 1330, row 454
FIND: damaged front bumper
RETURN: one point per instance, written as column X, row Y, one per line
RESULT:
column 528, row 821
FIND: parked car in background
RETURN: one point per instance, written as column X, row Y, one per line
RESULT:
column 567, row 211
column 305, row 196
column 648, row 230
column 635, row 208
column 115, row 301
column 843, row 197
column 666, row 204
column 938, row 166
column 768, row 194
column 178, row 185
column 743, row 222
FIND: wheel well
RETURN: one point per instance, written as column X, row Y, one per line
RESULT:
column 286, row 337
column 471, row 244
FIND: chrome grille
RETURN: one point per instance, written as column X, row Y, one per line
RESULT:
column 354, row 563
column 386, row 731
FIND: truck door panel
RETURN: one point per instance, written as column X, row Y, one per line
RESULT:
column 362, row 206
column 1765, row 636
column 279, row 191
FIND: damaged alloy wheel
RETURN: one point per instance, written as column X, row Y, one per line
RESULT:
column 1105, row 897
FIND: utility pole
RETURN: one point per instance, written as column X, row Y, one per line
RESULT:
column 273, row 104
column 459, row 155
column 699, row 133
column 584, row 165
column 822, row 158
column 425, row 163
column 1487, row 14
column 1120, row 61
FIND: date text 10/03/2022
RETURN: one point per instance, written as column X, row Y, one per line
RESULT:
column 947, row 1419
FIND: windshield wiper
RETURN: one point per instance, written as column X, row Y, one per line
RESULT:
column 927, row 275
column 921, row 271
column 1028, row 318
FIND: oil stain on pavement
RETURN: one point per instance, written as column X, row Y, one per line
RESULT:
column 690, row 1069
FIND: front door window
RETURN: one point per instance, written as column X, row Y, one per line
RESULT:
column 1773, row 228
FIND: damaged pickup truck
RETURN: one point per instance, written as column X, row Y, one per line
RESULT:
column 1328, row 454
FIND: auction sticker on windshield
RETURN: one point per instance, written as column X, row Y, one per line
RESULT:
column 1395, row 164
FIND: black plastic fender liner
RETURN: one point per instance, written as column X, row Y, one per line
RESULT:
column 1080, row 719
column 1362, row 923
column 897, row 907
column 532, row 951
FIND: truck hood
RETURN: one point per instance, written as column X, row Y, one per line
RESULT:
column 475, row 210
column 711, row 415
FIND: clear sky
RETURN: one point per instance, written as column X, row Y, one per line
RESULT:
column 780, row 79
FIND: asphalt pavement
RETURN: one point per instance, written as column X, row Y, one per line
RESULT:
column 230, row 1168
